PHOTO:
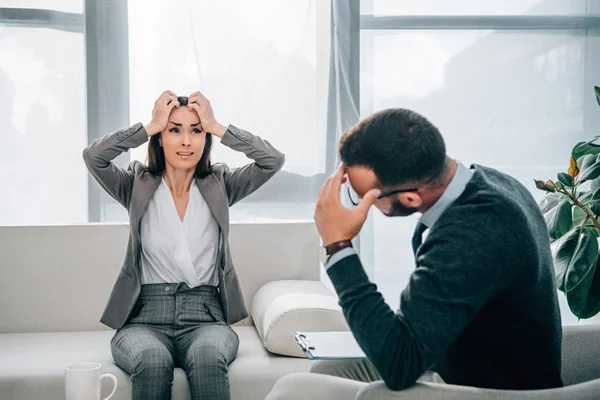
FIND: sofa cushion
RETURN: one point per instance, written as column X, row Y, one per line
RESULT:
column 281, row 307
column 32, row 365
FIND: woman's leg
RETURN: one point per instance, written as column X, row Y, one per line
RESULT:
column 205, row 354
column 147, row 355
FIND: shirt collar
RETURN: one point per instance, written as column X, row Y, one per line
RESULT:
column 455, row 188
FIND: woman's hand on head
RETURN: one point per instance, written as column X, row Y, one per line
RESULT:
column 201, row 105
column 160, row 114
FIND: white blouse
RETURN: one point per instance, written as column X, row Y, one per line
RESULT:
column 174, row 251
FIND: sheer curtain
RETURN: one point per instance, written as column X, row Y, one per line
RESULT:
column 261, row 66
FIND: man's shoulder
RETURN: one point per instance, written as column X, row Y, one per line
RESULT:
column 489, row 210
column 478, row 204
column 472, row 218
column 494, row 194
column 496, row 183
column 484, row 210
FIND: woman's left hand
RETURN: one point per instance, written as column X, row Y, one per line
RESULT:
column 201, row 105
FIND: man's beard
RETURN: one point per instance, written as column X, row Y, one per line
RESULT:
column 400, row 210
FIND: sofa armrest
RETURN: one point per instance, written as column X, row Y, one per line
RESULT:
column 281, row 307
column 426, row 390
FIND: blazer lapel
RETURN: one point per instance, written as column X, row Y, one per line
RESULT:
column 214, row 195
column 143, row 190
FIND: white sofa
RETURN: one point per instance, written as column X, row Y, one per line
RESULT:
column 55, row 281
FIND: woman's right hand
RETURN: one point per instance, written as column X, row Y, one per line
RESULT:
column 160, row 114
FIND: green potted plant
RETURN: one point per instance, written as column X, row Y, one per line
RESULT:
column 571, row 210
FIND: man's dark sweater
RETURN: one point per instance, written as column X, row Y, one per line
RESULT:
column 481, row 307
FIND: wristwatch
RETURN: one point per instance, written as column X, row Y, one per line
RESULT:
column 333, row 248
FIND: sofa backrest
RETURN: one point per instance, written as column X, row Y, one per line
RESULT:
column 58, row 278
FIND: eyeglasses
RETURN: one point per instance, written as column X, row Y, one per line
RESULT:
column 390, row 193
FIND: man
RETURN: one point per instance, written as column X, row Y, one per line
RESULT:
column 480, row 309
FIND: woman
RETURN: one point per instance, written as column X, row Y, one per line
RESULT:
column 177, row 292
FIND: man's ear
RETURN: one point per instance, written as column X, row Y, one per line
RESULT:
column 410, row 199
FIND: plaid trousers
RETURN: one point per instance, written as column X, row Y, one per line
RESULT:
column 173, row 325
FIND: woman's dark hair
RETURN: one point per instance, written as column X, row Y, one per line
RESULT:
column 156, row 154
column 399, row 145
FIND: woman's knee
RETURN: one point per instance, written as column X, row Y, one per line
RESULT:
column 153, row 361
column 141, row 353
column 212, row 350
column 206, row 357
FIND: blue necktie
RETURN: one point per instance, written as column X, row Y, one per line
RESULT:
column 417, row 238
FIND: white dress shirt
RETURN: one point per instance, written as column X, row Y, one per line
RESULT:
column 174, row 251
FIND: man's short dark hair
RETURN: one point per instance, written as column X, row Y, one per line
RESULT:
column 399, row 145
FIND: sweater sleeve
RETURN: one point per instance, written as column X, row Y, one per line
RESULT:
column 459, row 269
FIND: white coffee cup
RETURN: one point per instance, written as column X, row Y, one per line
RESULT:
column 83, row 381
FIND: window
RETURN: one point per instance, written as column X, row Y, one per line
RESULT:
column 259, row 65
column 506, row 90
column 43, row 113
column 69, row 77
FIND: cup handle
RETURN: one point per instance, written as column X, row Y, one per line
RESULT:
column 114, row 379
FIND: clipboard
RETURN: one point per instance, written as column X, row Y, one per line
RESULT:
column 334, row 345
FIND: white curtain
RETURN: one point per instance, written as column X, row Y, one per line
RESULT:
column 261, row 64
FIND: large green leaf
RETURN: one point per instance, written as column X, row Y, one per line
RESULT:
column 550, row 201
column 583, row 261
column 578, row 216
column 584, row 299
column 586, row 161
column 595, row 184
column 574, row 256
column 559, row 219
column 565, row 179
column 594, row 206
column 561, row 250
column 583, row 148
column 590, row 172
